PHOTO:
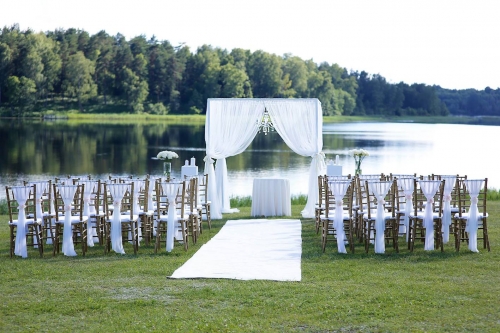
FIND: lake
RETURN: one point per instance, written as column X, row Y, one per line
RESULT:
column 34, row 150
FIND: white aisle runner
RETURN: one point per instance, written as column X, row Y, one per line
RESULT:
column 249, row 250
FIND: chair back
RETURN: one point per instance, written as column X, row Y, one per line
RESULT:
column 203, row 188
column 21, row 200
column 68, row 198
column 121, row 196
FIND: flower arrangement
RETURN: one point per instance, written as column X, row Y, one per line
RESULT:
column 167, row 166
column 359, row 155
column 166, row 154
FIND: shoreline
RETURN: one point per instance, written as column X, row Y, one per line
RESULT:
column 200, row 119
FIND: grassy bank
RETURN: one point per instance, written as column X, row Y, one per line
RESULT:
column 75, row 116
column 395, row 292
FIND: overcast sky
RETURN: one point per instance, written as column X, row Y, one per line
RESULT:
column 451, row 43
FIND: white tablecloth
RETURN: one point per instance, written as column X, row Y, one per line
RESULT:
column 271, row 197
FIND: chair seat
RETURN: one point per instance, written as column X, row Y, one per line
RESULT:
column 149, row 213
column 124, row 218
column 164, row 218
column 74, row 219
column 26, row 222
column 465, row 216
column 421, row 216
column 331, row 216
column 387, row 216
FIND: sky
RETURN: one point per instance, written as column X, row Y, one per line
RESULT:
column 451, row 43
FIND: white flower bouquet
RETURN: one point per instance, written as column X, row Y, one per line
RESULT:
column 166, row 155
column 359, row 155
column 167, row 166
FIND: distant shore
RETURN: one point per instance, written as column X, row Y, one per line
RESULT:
column 200, row 119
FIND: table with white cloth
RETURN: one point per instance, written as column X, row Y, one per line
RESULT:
column 271, row 197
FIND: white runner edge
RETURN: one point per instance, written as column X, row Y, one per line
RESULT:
column 257, row 249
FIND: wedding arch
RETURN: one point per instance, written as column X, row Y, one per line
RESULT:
column 232, row 124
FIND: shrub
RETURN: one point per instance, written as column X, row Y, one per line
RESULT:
column 157, row 108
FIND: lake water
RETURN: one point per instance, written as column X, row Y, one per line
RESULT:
column 40, row 150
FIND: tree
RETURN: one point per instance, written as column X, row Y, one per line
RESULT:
column 78, row 80
column 135, row 89
column 297, row 73
column 234, row 82
column 101, row 44
column 21, row 92
column 265, row 73
column 5, row 61
column 202, row 80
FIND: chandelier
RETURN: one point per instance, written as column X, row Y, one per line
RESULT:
column 265, row 124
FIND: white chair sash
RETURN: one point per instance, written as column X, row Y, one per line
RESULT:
column 339, row 189
column 473, row 187
column 449, row 183
column 41, row 188
column 379, row 189
column 68, row 194
column 21, row 194
column 88, row 188
column 429, row 188
column 407, row 184
column 117, row 192
column 170, row 190
column 138, row 187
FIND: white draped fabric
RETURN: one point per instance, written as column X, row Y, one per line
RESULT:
column 231, row 125
column 408, row 185
column 449, row 183
column 339, row 189
column 117, row 192
column 21, row 193
column 88, row 188
column 151, row 202
column 429, row 188
column 68, row 194
column 300, row 126
column 379, row 190
column 41, row 188
column 473, row 187
column 138, row 187
column 170, row 190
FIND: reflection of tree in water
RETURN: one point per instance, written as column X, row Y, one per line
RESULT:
column 62, row 148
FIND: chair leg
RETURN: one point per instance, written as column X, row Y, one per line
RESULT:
column 107, row 232
column 136, row 236
column 84, row 227
column 486, row 239
column 12, row 241
column 366, row 227
column 184, row 234
column 351, row 237
column 55, row 248
column 324, row 234
column 39, row 231
column 157, row 240
column 209, row 218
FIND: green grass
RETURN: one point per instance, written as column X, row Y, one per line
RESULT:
column 395, row 292
column 246, row 201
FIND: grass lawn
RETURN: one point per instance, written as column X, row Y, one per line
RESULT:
column 405, row 292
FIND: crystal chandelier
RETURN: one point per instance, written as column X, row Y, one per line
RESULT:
column 265, row 124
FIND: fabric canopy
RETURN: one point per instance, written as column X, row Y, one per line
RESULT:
column 231, row 125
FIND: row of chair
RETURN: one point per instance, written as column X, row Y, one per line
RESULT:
column 380, row 209
column 82, row 212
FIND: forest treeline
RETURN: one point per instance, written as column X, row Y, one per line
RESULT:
column 98, row 73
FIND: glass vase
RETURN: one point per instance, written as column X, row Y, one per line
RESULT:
column 358, row 171
column 167, row 169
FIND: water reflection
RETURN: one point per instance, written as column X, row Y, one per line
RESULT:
column 38, row 150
